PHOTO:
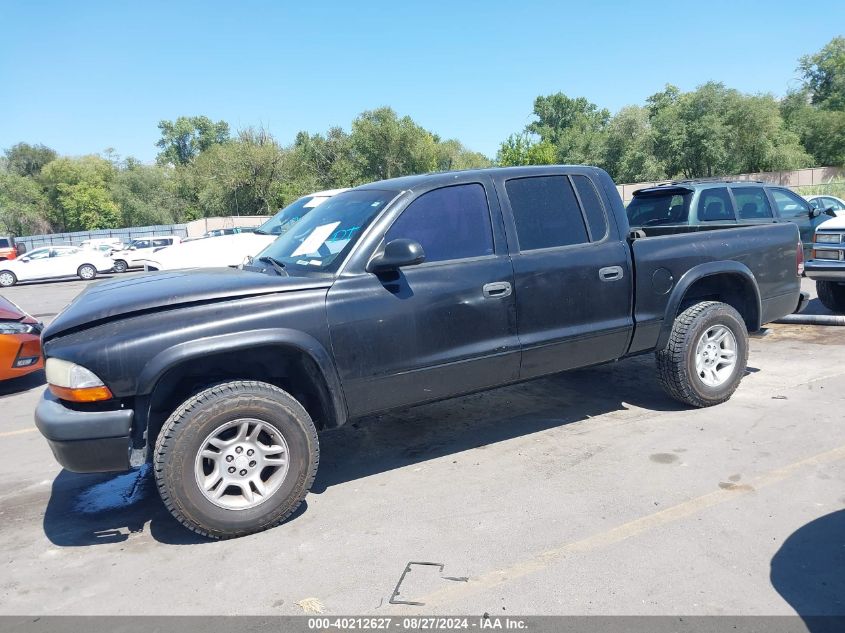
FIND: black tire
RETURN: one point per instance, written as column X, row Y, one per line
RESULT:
column 90, row 269
column 832, row 295
column 676, row 362
column 185, row 433
column 7, row 278
column 120, row 266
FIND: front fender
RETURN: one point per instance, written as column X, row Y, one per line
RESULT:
column 157, row 366
column 697, row 273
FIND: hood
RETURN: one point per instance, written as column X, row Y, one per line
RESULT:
column 833, row 224
column 167, row 290
column 225, row 250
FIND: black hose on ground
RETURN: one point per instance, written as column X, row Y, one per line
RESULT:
column 813, row 319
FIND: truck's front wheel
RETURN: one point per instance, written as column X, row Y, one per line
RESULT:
column 236, row 458
column 832, row 295
column 706, row 355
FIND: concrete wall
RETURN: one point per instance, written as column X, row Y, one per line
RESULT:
column 797, row 178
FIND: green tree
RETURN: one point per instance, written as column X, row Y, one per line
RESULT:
column 321, row 162
column 816, row 112
column 452, row 154
column 521, row 149
column 59, row 179
column 629, row 147
column 244, row 176
column 89, row 206
column 23, row 205
column 28, row 160
column 824, row 75
column 185, row 138
column 575, row 127
column 715, row 131
column 145, row 194
column 386, row 146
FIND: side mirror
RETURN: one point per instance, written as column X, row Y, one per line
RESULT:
column 814, row 213
column 397, row 253
column 133, row 248
column 24, row 259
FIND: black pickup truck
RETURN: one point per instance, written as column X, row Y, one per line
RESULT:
column 389, row 295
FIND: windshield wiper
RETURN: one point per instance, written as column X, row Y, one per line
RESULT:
column 278, row 266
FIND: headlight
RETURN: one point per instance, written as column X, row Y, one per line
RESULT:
column 828, row 238
column 14, row 327
column 74, row 383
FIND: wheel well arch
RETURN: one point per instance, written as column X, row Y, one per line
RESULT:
column 287, row 366
column 734, row 286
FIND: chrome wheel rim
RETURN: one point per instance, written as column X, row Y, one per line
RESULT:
column 86, row 272
column 6, row 279
column 715, row 356
column 241, row 464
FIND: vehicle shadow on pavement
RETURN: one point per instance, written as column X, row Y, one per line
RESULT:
column 86, row 510
column 382, row 443
column 808, row 571
column 24, row 383
column 816, row 307
column 98, row 509
column 73, row 517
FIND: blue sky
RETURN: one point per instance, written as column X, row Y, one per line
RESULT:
column 82, row 76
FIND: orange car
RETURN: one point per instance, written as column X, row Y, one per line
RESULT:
column 20, row 342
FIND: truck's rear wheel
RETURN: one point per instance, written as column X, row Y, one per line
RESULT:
column 236, row 458
column 832, row 295
column 706, row 356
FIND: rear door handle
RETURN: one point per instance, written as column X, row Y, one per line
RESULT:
column 611, row 273
column 497, row 290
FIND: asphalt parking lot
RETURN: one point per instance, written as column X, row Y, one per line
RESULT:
column 585, row 493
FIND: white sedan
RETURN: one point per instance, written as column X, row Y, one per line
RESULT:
column 231, row 250
column 53, row 262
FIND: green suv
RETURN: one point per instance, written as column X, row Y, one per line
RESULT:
column 710, row 203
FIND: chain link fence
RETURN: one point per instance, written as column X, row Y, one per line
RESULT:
column 125, row 235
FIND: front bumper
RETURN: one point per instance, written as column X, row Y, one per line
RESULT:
column 825, row 270
column 85, row 441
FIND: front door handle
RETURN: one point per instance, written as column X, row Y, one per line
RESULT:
column 611, row 273
column 497, row 290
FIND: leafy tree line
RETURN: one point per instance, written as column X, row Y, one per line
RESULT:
column 710, row 131
column 204, row 169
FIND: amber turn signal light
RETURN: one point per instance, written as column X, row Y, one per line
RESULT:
column 84, row 394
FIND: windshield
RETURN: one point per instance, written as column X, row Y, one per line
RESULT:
column 290, row 215
column 671, row 207
column 323, row 236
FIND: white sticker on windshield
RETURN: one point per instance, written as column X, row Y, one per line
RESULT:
column 313, row 202
column 314, row 241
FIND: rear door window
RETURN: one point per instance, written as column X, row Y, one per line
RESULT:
column 546, row 212
column 593, row 207
column 714, row 205
column 4, row 243
column 752, row 203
